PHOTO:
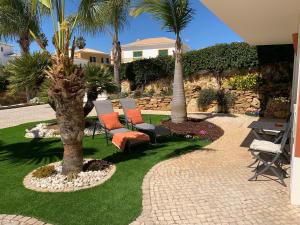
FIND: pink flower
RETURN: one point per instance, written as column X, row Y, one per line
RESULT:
column 202, row 132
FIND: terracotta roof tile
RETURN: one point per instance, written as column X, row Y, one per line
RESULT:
column 151, row 41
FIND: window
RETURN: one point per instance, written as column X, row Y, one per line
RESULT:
column 2, row 49
column 107, row 60
column 163, row 52
column 138, row 54
column 92, row 59
column 102, row 60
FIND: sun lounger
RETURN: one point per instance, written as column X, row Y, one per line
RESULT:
column 156, row 131
column 105, row 107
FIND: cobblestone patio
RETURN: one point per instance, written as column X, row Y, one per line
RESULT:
column 19, row 220
column 211, row 186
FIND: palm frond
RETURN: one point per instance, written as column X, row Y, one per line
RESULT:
column 16, row 18
column 103, row 15
column 174, row 14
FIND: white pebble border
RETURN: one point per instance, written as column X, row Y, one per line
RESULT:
column 41, row 130
column 59, row 182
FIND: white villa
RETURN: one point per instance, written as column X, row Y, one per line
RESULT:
column 6, row 51
column 149, row 48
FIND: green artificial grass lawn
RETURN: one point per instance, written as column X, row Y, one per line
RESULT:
column 117, row 201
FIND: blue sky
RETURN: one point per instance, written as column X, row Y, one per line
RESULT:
column 204, row 30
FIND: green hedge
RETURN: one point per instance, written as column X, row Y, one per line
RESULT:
column 216, row 58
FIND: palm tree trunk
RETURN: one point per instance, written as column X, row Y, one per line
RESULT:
column 92, row 95
column 178, row 105
column 24, row 43
column 116, row 52
column 70, row 119
column 67, row 91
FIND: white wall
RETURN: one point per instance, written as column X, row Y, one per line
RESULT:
column 127, row 55
column 5, row 54
column 295, row 101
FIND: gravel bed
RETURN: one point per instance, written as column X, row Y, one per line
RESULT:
column 60, row 183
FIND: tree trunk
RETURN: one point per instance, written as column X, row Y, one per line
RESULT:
column 92, row 95
column 116, row 52
column 67, row 91
column 69, row 114
column 178, row 105
column 24, row 43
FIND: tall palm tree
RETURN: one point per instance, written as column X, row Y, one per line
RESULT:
column 16, row 19
column 67, row 86
column 174, row 16
column 110, row 16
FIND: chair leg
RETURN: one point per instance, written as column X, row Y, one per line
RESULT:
column 252, row 164
column 106, row 137
column 267, row 166
column 94, row 131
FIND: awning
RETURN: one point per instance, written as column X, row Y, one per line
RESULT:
column 259, row 22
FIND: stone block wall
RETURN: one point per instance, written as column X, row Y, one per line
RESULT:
column 277, row 84
column 150, row 103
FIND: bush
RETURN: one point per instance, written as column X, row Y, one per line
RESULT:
column 225, row 100
column 3, row 80
column 207, row 96
column 45, row 171
column 246, row 82
column 218, row 58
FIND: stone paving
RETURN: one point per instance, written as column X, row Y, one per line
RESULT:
column 210, row 186
column 206, row 187
column 19, row 220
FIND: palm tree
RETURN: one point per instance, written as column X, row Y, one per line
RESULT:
column 110, row 16
column 67, row 86
column 80, row 42
column 27, row 72
column 98, row 80
column 16, row 19
column 174, row 16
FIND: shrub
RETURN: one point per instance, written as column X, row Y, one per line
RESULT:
column 3, row 83
column 246, row 82
column 207, row 96
column 225, row 100
column 218, row 58
column 45, row 171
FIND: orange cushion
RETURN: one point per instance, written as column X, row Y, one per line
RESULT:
column 111, row 120
column 134, row 116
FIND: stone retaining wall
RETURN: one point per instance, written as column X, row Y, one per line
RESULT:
column 277, row 84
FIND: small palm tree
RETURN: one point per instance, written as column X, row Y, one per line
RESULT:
column 16, row 20
column 67, row 86
column 99, row 79
column 110, row 16
column 174, row 16
column 80, row 42
column 27, row 72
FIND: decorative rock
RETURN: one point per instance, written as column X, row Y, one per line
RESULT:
column 193, row 106
column 255, row 103
column 60, row 183
column 41, row 130
column 126, row 86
